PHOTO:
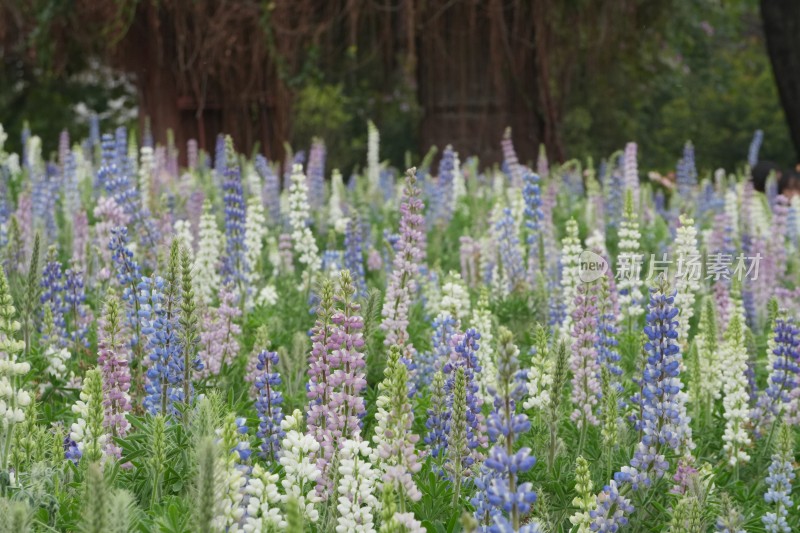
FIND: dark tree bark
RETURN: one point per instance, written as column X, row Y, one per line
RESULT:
column 782, row 31
column 470, row 67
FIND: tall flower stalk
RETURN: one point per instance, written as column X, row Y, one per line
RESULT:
column 570, row 258
column 584, row 361
column 735, row 400
column 188, row 321
column 336, row 374
column 662, row 426
column 305, row 246
column 206, row 263
column 116, row 376
column 13, row 398
column 409, row 254
column 268, row 404
column 629, row 262
column 779, row 483
column 784, row 376
column 234, row 265
column 394, row 439
column 687, row 277
column 463, row 355
column 128, row 275
column 508, row 498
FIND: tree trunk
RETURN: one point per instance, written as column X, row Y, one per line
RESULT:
column 476, row 77
column 782, row 31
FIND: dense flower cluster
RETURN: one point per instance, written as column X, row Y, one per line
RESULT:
column 202, row 349
column 663, row 424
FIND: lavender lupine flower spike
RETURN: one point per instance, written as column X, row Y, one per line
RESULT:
column 513, row 268
column 52, row 295
column 443, row 208
column 268, row 405
column 779, row 483
column 631, row 172
column 437, row 423
column 353, row 254
column 160, row 310
column 410, row 253
column 607, row 354
column 776, row 245
column 234, row 264
column 128, row 274
column 316, row 173
column 319, row 365
column 663, row 425
column 510, row 159
column 532, row 194
column 113, row 361
column 542, row 164
column 336, row 375
column 271, row 190
column 348, row 381
column 76, row 309
column 218, row 335
column 463, row 356
column 506, row 500
column 584, row 362
column 784, row 377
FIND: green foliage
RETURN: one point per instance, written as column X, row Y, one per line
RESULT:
column 96, row 516
column 204, row 489
column 703, row 75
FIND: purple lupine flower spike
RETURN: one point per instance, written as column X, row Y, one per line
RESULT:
column 268, row 404
column 409, row 255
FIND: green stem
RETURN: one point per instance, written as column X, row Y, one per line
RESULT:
column 512, row 481
column 584, row 430
column 551, row 457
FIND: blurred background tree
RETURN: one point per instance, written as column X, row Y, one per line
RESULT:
column 581, row 76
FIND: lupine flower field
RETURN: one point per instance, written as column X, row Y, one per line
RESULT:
column 252, row 345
